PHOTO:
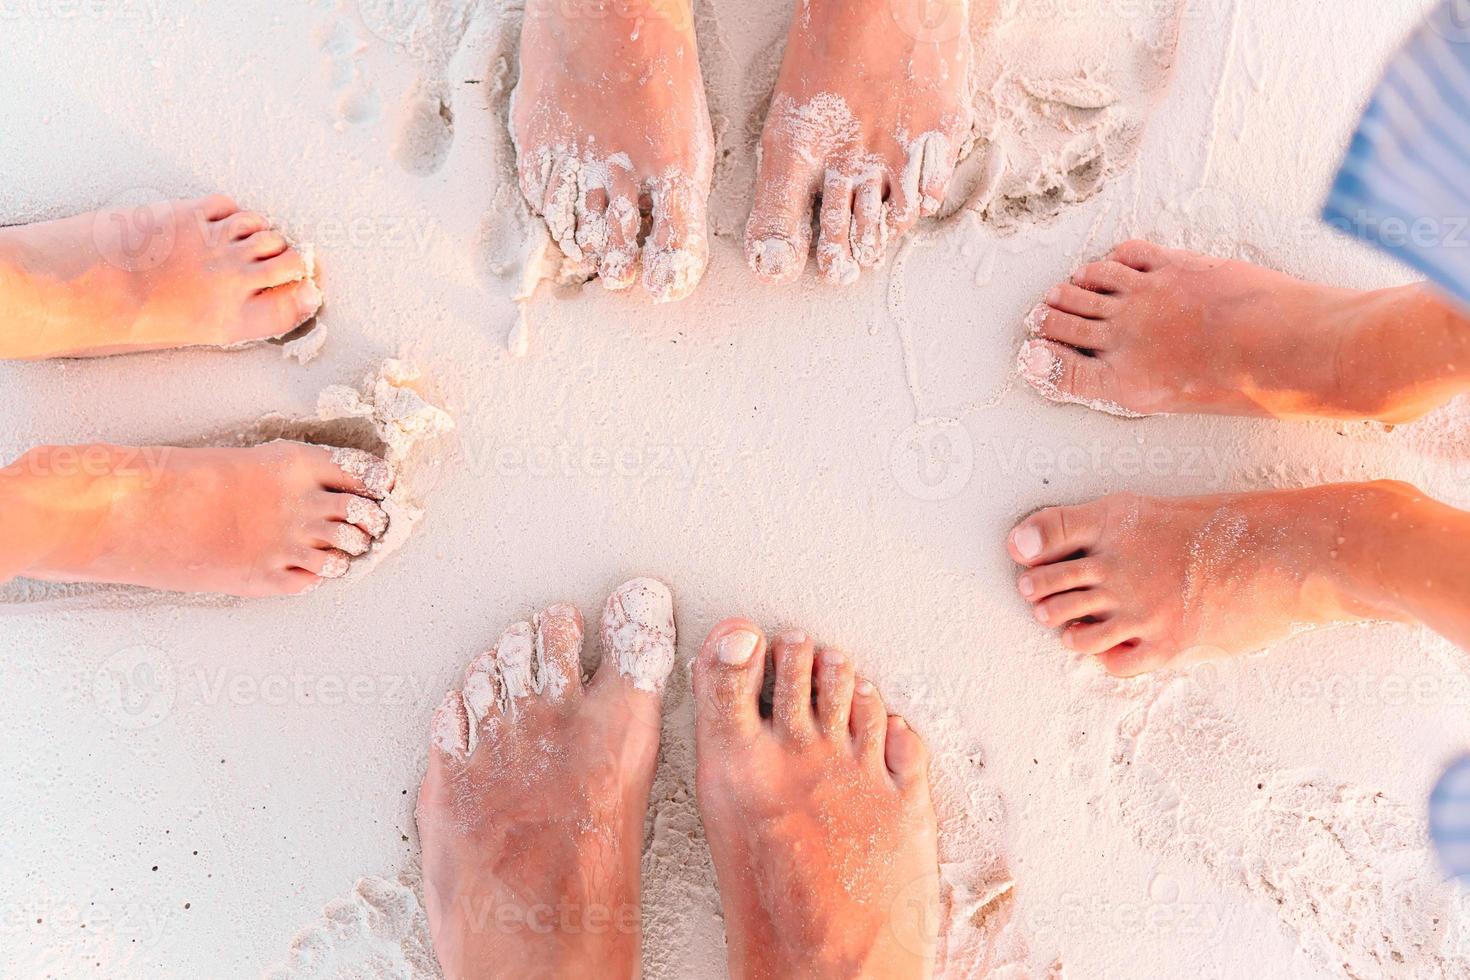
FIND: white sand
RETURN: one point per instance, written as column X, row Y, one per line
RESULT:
column 843, row 460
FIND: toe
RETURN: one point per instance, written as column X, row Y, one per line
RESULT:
column 592, row 217
column 276, row 312
column 869, row 233
column 483, row 701
column 1083, row 302
column 1139, row 255
column 868, row 723
column 1047, row 580
column 1132, row 659
column 1095, row 638
column 728, row 672
column 1070, row 607
column 834, row 240
column 560, row 207
column 1057, row 533
column 356, row 472
column 638, row 637
column 1107, row 277
column 677, row 250
column 901, row 209
column 834, row 680
column 241, row 225
column 936, row 168
column 296, row 581
column 285, row 267
column 906, row 754
column 358, row 511
column 515, row 662
column 343, row 537
column 216, row 207
column 779, row 232
column 792, row 705
column 449, row 732
column 619, row 266
column 1067, row 328
column 559, row 652
column 325, row 563
column 263, row 245
column 1064, row 374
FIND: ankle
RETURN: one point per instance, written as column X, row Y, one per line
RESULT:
column 1372, row 521
column 1406, row 352
column 57, row 502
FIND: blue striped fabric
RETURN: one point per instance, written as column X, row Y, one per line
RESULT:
column 1449, row 818
column 1405, row 184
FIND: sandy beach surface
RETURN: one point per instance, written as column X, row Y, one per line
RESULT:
column 194, row 787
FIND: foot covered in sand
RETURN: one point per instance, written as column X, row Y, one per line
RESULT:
column 869, row 114
column 531, row 815
column 1149, row 582
column 610, row 123
column 1153, row 330
column 172, row 274
column 269, row 520
column 818, row 817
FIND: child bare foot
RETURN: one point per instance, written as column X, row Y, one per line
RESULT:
column 1155, row 330
column 869, row 114
column 610, row 122
column 531, row 815
column 269, row 520
column 172, row 274
column 1147, row 582
column 819, row 817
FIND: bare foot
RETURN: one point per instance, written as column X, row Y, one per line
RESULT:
column 531, row 815
column 1148, row 582
column 1155, row 330
column 610, row 122
column 819, row 818
column 173, row 274
column 869, row 114
column 270, row 520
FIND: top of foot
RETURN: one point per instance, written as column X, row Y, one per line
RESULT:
column 870, row 115
column 610, row 123
column 170, row 274
column 1153, row 330
column 818, row 817
column 531, row 815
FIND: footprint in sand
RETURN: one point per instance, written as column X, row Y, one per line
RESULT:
column 1350, row 871
column 381, row 930
column 431, row 32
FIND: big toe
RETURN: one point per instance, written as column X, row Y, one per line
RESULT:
column 906, row 754
column 638, row 636
column 1057, row 534
column 778, row 235
column 728, row 672
column 278, row 311
column 1065, row 375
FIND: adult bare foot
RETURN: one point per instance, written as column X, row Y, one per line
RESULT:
column 1156, row 330
column 531, row 815
column 870, row 114
column 610, row 122
column 172, row 274
column 819, row 817
column 269, row 520
column 1147, row 582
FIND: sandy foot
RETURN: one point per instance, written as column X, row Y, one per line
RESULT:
column 869, row 113
column 610, row 121
column 173, row 274
column 531, row 814
column 1350, row 871
column 1155, row 330
column 270, row 520
column 1143, row 582
column 819, row 818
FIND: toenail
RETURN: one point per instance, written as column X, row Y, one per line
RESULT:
column 1027, row 586
column 1054, row 296
column 793, row 637
column 1040, row 364
column 736, row 647
column 1069, row 641
column 1041, row 614
column 310, row 299
column 1036, row 318
column 897, row 720
column 864, row 687
column 833, row 658
column 1027, row 541
column 774, row 256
